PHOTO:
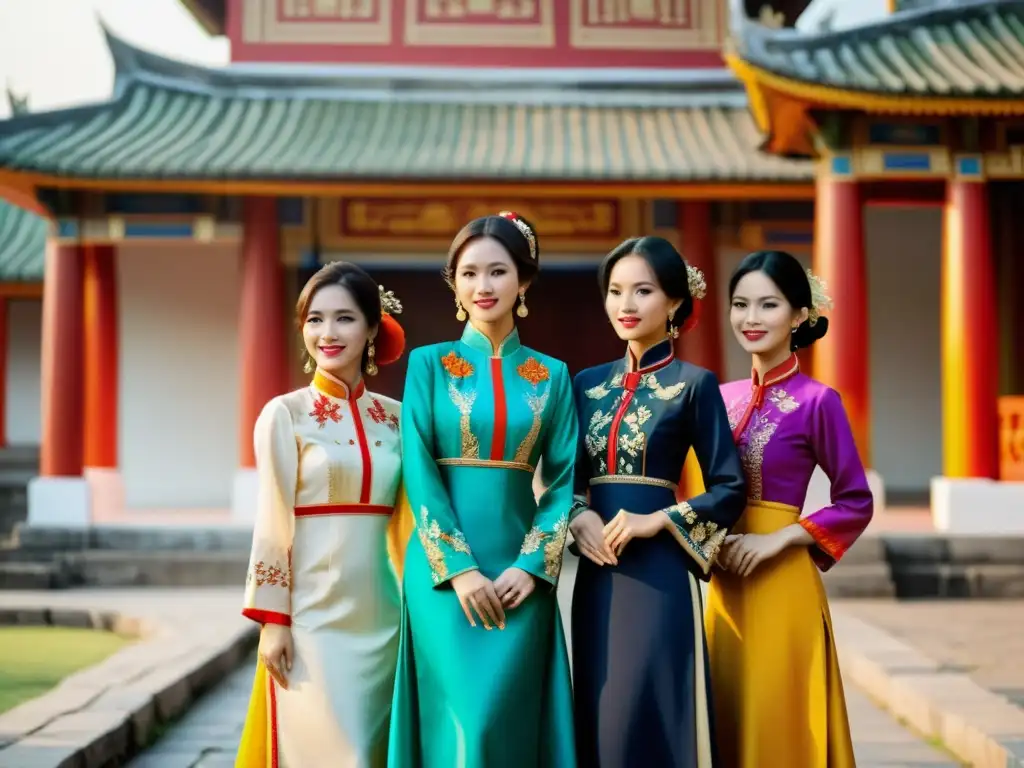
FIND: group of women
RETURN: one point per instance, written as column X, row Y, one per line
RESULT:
column 404, row 570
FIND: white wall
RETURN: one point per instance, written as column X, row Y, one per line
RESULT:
column 178, row 431
column 23, row 407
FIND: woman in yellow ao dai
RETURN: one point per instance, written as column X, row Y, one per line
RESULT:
column 323, row 575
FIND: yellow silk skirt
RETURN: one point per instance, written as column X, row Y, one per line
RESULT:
column 258, row 745
column 778, row 694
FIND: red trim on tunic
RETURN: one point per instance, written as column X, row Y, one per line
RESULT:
column 274, row 759
column 778, row 374
column 267, row 617
column 316, row 510
column 364, row 449
column 630, row 381
column 825, row 541
column 500, row 411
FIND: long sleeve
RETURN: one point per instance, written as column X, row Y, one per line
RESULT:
column 836, row 527
column 581, row 475
column 700, row 524
column 268, row 588
column 436, row 523
column 541, row 553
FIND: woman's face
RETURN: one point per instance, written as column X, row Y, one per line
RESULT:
column 761, row 317
column 636, row 305
column 335, row 332
column 486, row 282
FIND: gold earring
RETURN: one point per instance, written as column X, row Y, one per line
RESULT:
column 521, row 310
column 309, row 367
column 371, row 365
column 460, row 313
column 672, row 330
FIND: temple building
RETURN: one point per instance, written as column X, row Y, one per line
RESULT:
column 187, row 210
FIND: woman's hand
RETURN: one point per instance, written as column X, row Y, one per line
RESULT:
column 277, row 651
column 476, row 591
column 743, row 552
column 514, row 586
column 588, row 531
column 626, row 526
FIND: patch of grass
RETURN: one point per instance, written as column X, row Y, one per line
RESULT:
column 35, row 659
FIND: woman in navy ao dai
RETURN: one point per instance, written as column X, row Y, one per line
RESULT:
column 639, row 662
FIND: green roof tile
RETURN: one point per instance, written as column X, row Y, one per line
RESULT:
column 22, row 244
column 170, row 120
column 967, row 49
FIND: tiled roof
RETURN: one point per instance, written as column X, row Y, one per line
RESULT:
column 22, row 244
column 169, row 120
column 965, row 49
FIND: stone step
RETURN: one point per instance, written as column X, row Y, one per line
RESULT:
column 962, row 549
column 109, row 568
column 953, row 580
column 225, row 538
column 14, row 575
column 868, row 550
column 859, row 580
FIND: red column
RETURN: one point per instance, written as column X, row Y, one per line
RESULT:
column 4, row 347
column 262, row 335
column 841, row 359
column 703, row 345
column 61, row 379
column 970, row 335
column 101, row 356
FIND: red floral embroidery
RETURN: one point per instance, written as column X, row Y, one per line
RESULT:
column 271, row 575
column 456, row 366
column 324, row 409
column 393, row 422
column 533, row 371
column 379, row 414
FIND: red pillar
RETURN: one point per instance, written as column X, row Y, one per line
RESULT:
column 61, row 379
column 841, row 359
column 4, row 347
column 101, row 356
column 262, row 335
column 970, row 335
column 703, row 345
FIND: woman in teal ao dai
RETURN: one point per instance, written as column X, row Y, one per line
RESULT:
column 483, row 675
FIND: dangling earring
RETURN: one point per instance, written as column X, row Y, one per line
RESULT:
column 672, row 330
column 460, row 313
column 371, row 365
column 309, row 367
column 521, row 310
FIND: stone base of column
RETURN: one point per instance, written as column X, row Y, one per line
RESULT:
column 977, row 506
column 243, row 496
column 59, row 502
column 106, row 487
column 819, row 492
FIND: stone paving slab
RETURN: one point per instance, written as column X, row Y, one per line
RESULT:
column 103, row 715
column 926, row 663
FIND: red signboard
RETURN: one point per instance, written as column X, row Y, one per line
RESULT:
column 481, row 33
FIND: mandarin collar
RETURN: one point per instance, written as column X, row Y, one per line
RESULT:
column 328, row 385
column 787, row 369
column 658, row 356
column 475, row 339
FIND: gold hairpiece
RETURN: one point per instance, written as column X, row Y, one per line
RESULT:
column 820, row 301
column 389, row 304
column 695, row 279
column 523, row 227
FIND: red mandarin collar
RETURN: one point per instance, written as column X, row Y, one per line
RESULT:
column 776, row 375
column 337, row 389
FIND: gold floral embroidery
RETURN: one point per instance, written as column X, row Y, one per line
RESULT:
column 533, row 371
column 598, row 392
column 752, row 453
column 464, row 402
column 701, row 539
column 663, row 393
column 596, row 442
column 457, row 367
column 782, row 400
column 552, row 549
column 433, row 539
column 736, row 409
column 536, row 403
column 274, row 575
column 532, row 541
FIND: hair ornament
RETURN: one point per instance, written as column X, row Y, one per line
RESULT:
column 389, row 303
column 696, row 282
column 523, row 227
column 820, row 300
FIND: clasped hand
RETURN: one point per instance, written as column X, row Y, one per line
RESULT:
column 603, row 543
column 743, row 552
column 489, row 599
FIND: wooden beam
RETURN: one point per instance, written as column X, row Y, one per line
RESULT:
column 27, row 290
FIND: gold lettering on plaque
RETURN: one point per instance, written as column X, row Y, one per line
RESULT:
column 666, row 13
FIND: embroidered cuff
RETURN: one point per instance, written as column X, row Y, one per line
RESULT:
column 700, row 539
